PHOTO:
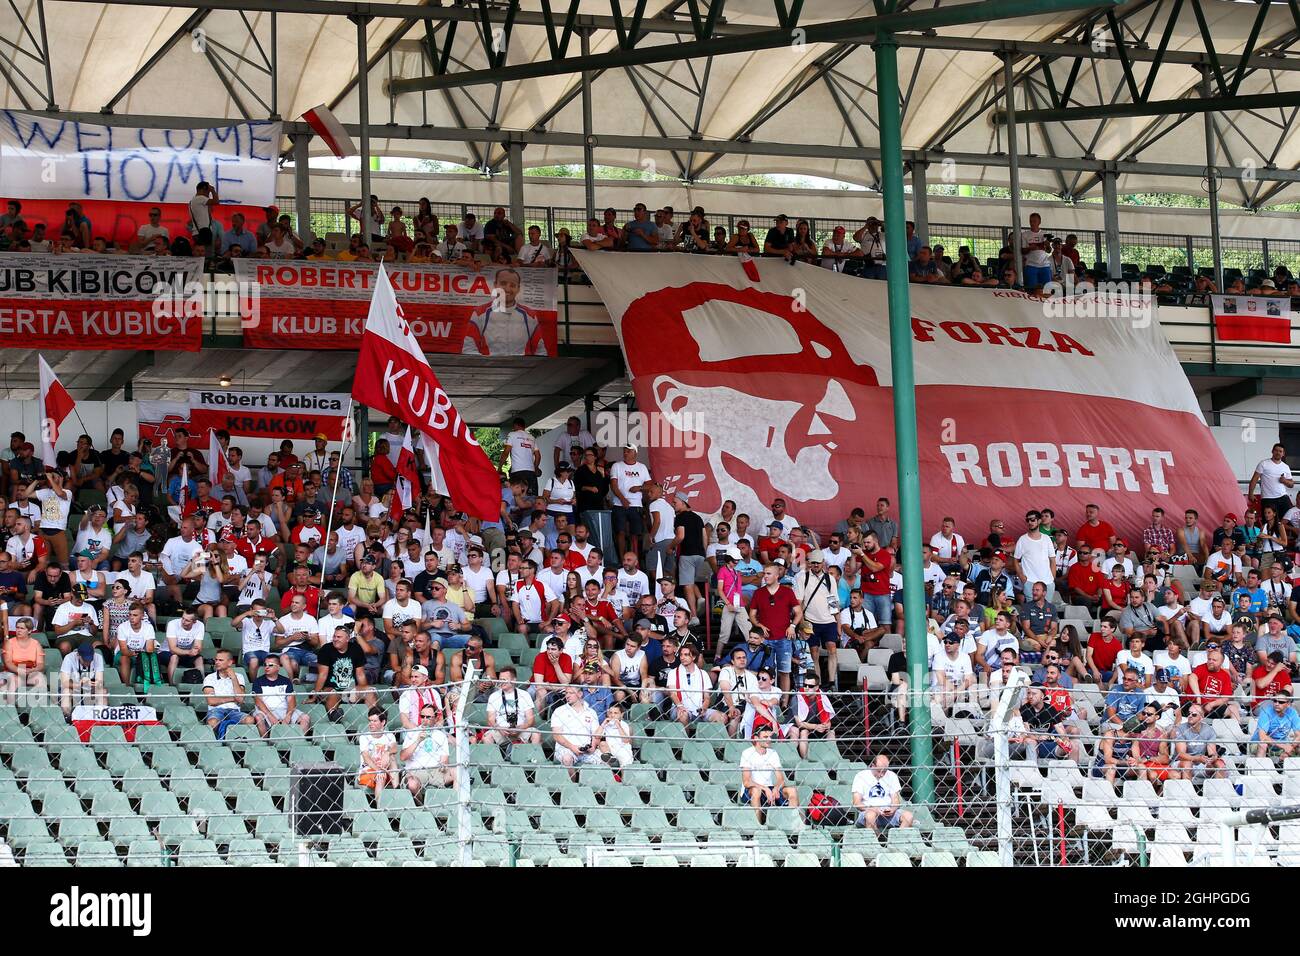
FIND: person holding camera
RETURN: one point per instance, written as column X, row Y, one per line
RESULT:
column 56, row 505
column 576, row 733
column 257, row 626
column 510, row 715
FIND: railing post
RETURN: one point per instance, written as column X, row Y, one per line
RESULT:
column 1267, row 270
column 464, row 838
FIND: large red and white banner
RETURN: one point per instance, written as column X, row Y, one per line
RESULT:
column 323, row 305
column 780, row 387
column 277, row 415
column 76, row 301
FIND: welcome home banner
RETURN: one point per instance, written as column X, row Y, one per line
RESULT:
column 79, row 301
column 323, row 305
column 47, row 158
column 277, row 415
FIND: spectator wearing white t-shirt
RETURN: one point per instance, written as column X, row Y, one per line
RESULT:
column 1274, row 480
column 510, row 713
column 1035, row 557
column 763, row 782
column 521, row 456
column 1036, row 247
column 575, row 730
column 877, row 796
column 627, row 478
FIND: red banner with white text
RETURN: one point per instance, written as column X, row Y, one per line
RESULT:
column 323, row 305
column 118, row 221
column 82, row 301
column 780, row 387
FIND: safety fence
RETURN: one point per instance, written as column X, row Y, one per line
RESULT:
column 666, row 793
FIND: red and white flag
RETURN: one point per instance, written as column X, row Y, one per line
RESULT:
column 56, row 405
column 393, row 376
column 183, row 493
column 327, row 126
column 217, row 456
column 408, row 479
column 1252, row 318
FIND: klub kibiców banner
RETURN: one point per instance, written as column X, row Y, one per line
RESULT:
column 312, row 304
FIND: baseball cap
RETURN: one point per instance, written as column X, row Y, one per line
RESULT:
column 85, row 553
column 1230, row 516
column 420, row 669
column 683, row 497
column 629, row 447
column 564, row 466
column 645, row 622
column 1162, row 673
column 455, row 569
column 367, row 559
column 816, row 556
column 775, row 524
column 732, row 553
column 86, row 651
column 320, row 436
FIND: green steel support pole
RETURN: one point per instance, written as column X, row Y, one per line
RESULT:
column 900, row 350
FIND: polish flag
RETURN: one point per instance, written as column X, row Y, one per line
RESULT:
column 394, row 377
column 217, row 457
column 751, row 270
column 56, row 405
column 408, row 479
column 1246, row 318
column 437, row 483
column 327, row 126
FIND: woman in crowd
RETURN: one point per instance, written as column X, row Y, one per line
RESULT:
column 24, row 659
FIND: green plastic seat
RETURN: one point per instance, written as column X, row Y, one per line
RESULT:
column 982, row 858
column 225, row 828
column 598, row 778
column 650, row 820
column 697, row 820
column 905, row 840
column 214, row 758
column 235, row 779
column 557, row 820
column 262, row 759
column 198, row 852
column 740, row 819
column 274, row 829
column 186, row 781
column 126, row 830
column 157, row 806
column 92, row 781
column 45, row 854
column 74, row 830
column 207, row 803
column 623, row 798
column 605, row 820
column 395, row 850
column 140, row 782
column 144, row 853
column 893, row 858
column 105, row 737
column 246, row 851
column 346, row 851
column 419, row 825
column 254, row 803
column 123, row 760
column 59, row 804
column 97, row 853
column 938, row 858
column 666, row 730
column 394, row 800
column 26, row 831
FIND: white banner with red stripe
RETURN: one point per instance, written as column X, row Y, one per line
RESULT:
column 780, row 387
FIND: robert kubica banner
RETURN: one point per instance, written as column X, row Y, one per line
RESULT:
column 76, row 301
column 322, row 305
column 277, row 415
column 781, row 387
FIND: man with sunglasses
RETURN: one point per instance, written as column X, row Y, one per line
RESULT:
column 1034, row 559
column 1278, row 732
column 426, row 754
column 1196, row 755
column 952, row 675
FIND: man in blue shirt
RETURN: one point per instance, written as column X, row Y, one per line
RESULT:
column 1279, row 727
column 641, row 233
column 749, row 569
column 1123, row 704
column 237, row 235
column 1258, row 596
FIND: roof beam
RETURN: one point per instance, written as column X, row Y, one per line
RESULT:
column 591, row 381
column 1179, row 107
column 136, row 363
column 859, row 30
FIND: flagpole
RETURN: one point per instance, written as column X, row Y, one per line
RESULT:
column 334, row 495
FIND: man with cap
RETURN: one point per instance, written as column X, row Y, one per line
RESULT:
column 552, row 672
column 1223, row 566
column 1229, row 529
column 417, row 697
column 627, row 480
column 531, row 601
column 767, row 549
column 445, row 621
column 81, row 680
column 318, row 459
column 819, row 596
column 1278, row 731
column 1273, row 638
column 872, row 242
column 95, row 536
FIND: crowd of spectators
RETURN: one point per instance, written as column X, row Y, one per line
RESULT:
column 422, row 237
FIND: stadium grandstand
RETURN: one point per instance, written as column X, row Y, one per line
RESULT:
column 666, row 433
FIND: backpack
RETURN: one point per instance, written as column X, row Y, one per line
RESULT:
column 824, row 810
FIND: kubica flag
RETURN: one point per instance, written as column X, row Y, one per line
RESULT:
column 770, row 380
column 394, row 377
column 408, row 479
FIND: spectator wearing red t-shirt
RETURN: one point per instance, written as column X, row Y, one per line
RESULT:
column 301, row 585
column 775, row 613
column 552, row 669
column 290, row 481
column 768, row 548
column 1103, row 647
column 1270, row 677
column 1114, row 590
column 1094, row 532
column 1085, row 580
column 877, row 565
column 1211, row 686
column 382, row 471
